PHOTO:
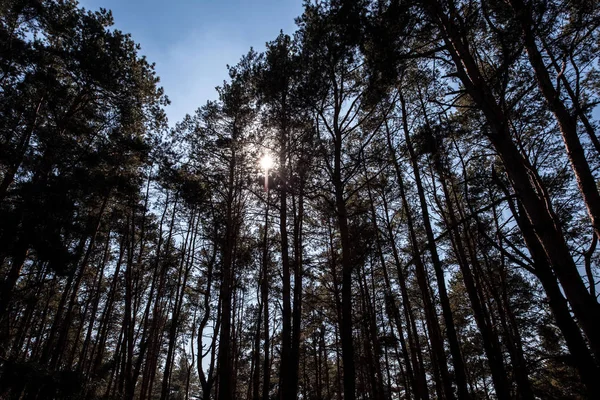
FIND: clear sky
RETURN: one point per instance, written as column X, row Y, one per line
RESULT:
column 192, row 41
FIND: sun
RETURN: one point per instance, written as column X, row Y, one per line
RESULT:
column 266, row 162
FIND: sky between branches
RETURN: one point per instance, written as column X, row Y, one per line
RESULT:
column 192, row 41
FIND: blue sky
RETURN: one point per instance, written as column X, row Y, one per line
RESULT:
column 191, row 42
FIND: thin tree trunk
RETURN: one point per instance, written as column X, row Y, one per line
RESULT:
column 457, row 359
column 265, row 304
column 83, row 359
column 490, row 341
column 347, row 269
column 286, row 379
column 390, row 302
column 421, row 390
column 225, row 370
column 298, row 276
column 431, row 318
column 183, row 274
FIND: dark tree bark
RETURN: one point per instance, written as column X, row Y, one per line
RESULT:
column 421, row 390
column 457, row 360
column 264, row 291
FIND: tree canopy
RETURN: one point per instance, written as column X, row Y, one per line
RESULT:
column 428, row 229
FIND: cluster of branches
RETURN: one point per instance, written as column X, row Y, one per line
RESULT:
column 429, row 228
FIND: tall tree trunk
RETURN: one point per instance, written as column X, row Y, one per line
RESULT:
column 286, row 389
column 225, row 369
column 103, row 329
column 490, row 341
column 265, row 304
column 508, row 320
column 298, row 276
column 421, row 389
column 390, row 302
column 256, row 351
column 129, row 317
column 83, row 359
column 435, row 332
column 185, row 267
column 347, row 269
column 152, row 342
column 457, row 359
column 372, row 333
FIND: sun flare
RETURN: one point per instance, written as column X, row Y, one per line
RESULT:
column 266, row 162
